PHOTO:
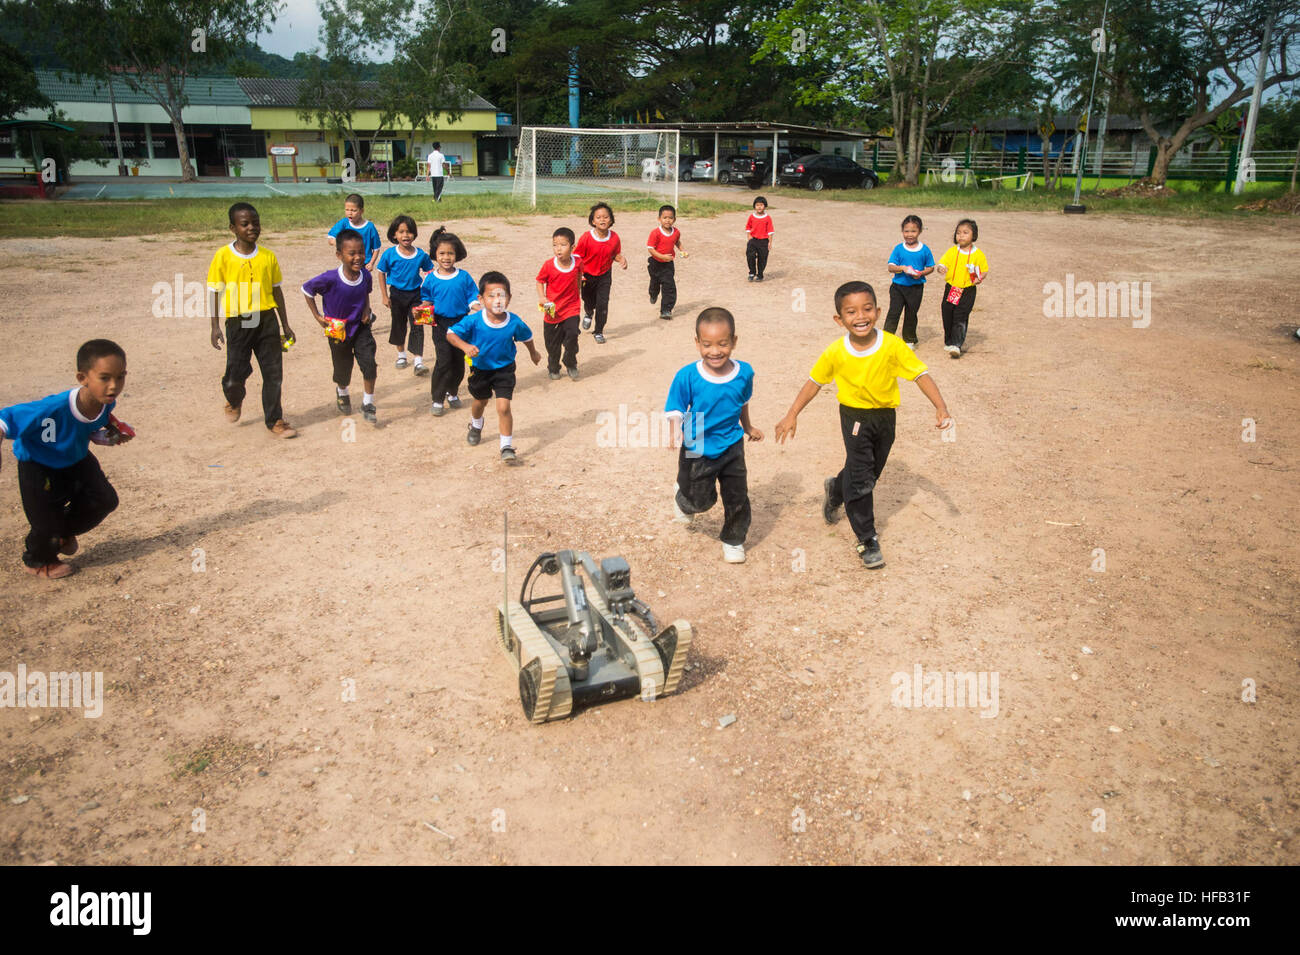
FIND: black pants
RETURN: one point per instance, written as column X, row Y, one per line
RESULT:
column 561, row 335
column 361, row 348
column 698, row 479
column 62, row 502
column 956, row 317
column 595, row 298
column 399, row 304
column 246, row 337
column 868, row 435
column 449, row 361
column 756, row 256
column 437, row 182
column 904, row 300
column 662, row 278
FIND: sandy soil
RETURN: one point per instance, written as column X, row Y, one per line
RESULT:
column 326, row 560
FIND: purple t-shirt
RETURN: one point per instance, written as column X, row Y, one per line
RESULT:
column 340, row 298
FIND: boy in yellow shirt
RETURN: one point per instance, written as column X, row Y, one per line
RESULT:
column 865, row 365
column 245, row 278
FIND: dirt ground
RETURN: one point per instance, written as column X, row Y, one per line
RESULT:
column 243, row 580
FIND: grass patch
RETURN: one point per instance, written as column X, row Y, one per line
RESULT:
column 1190, row 203
column 219, row 754
column 1263, row 365
column 29, row 219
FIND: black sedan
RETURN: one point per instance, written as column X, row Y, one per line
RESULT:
column 819, row 171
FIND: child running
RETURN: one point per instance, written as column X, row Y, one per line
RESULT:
column 558, row 288
column 399, row 270
column 64, row 491
column 865, row 365
column 354, row 217
column 708, row 407
column 664, row 242
column 453, row 295
column 244, row 287
column 597, row 250
column 489, row 340
column 759, row 228
column 911, row 261
column 345, row 298
column 964, row 267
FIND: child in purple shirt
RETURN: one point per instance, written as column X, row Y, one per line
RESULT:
column 345, row 298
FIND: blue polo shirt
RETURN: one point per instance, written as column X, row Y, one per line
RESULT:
column 495, row 343
column 918, row 259
column 369, row 234
column 401, row 272
column 52, row 431
column 451, row 295
column 710, row 406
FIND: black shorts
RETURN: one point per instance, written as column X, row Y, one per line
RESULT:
column 485, row 382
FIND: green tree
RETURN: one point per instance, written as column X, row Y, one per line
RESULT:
column 154, row 46
column 18, row 89
column 918, row 56
column 1179, row 65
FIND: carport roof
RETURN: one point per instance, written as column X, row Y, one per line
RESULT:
column 759, row 129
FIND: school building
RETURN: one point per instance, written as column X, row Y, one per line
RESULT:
column 231, row 123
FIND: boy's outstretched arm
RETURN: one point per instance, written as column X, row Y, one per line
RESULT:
column 533, row 353
column 278, row 294
column 931, row 391
column 785, row 427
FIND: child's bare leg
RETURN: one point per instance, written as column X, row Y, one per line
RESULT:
column 505, row 418
column 477, row 408
column 370, row 385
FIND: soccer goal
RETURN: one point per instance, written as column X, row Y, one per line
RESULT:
column 557, row 161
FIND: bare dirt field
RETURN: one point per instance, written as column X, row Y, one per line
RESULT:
column 244, row 580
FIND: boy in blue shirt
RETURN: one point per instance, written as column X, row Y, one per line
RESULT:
column 64, row 491
column 911, row 261
column 354, row 217
column 488, row 338
column 708, row 407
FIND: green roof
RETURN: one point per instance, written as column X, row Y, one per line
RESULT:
column 200, row 90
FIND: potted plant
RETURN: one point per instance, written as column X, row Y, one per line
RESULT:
column 236, row 167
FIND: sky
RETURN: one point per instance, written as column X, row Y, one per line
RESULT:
column 294, row 30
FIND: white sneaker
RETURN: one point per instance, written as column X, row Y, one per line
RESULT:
column 733, row 553
column 956, row 351
column 910, row 345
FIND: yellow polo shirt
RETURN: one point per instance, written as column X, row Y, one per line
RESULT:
column 957, row 262
column 247, row 281
column 867, row 379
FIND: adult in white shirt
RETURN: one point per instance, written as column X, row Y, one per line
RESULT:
column 437, row 162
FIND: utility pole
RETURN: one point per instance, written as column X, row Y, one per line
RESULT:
column 1249, row 139
column 1100, row 45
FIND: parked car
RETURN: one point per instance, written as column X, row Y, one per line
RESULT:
column 702, row 168
column 686, row 167
column 819, row 171
column 755, row 170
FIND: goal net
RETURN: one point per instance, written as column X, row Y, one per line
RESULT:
column 558, row 161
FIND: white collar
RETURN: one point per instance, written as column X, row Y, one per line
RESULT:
column 670, row 232
column 76, row 412
column 446, row 278
column 759, row 215
column 973, row 250
column 572, row 265
column 415, row 253
column 344, row 278
column 491, row 324
column 848, row 345
column 715, row 379
column 913, row 248
column 241, row 254
column 356, row 227
column 598, row 238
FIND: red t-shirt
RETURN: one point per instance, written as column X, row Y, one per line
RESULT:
column 759, row 227
column 597, row 254
column 663, row 244
column 562, row 287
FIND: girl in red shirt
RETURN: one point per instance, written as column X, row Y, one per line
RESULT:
column 598, row 249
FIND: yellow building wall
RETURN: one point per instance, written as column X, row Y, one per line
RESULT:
column 283, row 125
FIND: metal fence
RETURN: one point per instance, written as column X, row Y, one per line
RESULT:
column 1269, row 165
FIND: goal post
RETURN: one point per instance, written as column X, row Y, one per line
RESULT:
column 554, row 160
